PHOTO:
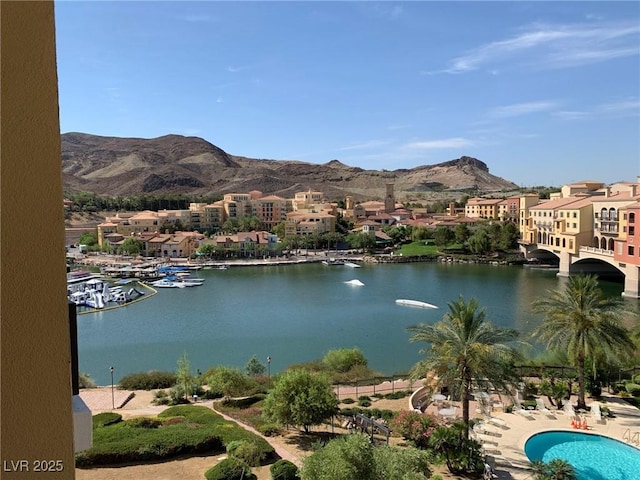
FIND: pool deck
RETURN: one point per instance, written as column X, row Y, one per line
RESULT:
column 510, row 460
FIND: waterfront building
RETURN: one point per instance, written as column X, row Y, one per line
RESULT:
column 483, row 208
column 627, row 244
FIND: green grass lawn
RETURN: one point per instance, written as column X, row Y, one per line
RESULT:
column 417, row 249
column 185, row 429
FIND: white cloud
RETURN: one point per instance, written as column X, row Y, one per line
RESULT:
column 364, row 145
column 519, row 109
column 553, row 46
column 457, row 142
column 630, row 105
column 572, row 114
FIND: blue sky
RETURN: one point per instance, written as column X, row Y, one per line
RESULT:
column 545, row 93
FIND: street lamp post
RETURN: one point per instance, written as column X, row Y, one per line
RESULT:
column 113, row 400
column 269, row 372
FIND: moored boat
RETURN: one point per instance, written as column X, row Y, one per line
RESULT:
column 414, row 303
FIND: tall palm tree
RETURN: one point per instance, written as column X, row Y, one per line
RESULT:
column 581, row 321
column 466, row 352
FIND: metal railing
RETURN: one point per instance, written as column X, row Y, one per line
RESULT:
column 631, row 437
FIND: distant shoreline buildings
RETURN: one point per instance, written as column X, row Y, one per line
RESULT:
column 582, row 215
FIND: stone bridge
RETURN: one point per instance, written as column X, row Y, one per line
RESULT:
column 590, row 260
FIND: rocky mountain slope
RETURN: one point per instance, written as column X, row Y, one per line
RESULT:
column 177, row 164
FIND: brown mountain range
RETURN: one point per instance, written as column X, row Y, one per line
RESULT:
column 177, row 164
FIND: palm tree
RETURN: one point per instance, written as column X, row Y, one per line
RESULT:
column 556, row 469
column 581, row 321
column 466, row 351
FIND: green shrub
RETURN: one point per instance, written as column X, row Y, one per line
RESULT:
column 397, row 395
column 147, row 380
column 231, row 468
column 284, row 470
column 144, row 422
column 246, row 451
column 348, row 401
column 364, row 403
column 246, row 401
column 160, row 397
column 106, row 418
column 636, row 379
column 269, row 429
column 633, row 389
column 184, row 430
column 85, row 381
column 364, row 398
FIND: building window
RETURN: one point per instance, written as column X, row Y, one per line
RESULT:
column 630, row 250
column 632, row 217
column 574, row 225
column 575, row 215
column 632, row 230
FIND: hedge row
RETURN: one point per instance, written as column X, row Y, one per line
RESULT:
column 148, row 380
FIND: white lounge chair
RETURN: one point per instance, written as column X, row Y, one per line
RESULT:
column 568, row 410
column 497, row 422
column 542, row 408
column 596, row 414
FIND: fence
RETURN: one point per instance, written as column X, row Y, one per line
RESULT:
column 375, row 386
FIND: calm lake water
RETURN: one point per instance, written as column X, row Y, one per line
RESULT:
column 296, row 313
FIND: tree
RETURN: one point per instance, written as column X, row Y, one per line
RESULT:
column 480, row 242
column 207, row 250
column 462, row 233
column 461, row 454
column 443, row 236
column 255, row 368
column 466, row 351
column 184, row 377
column 354, row 457
column 227, row 380
column 344, row 359
column 556, row 469
column 581, row 321
column 89, row 238
column 300, row 397
column 509, row 236
column 130, row 246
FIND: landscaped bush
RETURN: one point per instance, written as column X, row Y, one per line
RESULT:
column 397, row 395
column 284, row 470
column 183, row 430
column 386, row 415
column 364, row 403
column 246, row 401
column 144, row 422
column 161, row 397
column 633, row 389
column 230, row 469
column 269, row 429
column 348, row 401
column 246, row 451
column 147, row 380
column 106, row 418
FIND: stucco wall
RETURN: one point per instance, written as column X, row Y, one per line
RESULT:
column 35, row 389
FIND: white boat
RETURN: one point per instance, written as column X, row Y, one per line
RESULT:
column 333, row 261
column 414, row 303
column 351, row 264
column 355, row 283
column 164, row 283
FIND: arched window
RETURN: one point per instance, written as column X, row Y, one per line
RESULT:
column 632, row 217
column 604, row 215
column 595, row 242
column 611, row 244
column 613, row 215
column 603, row 243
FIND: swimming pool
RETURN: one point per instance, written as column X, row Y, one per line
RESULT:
column 593, row 457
